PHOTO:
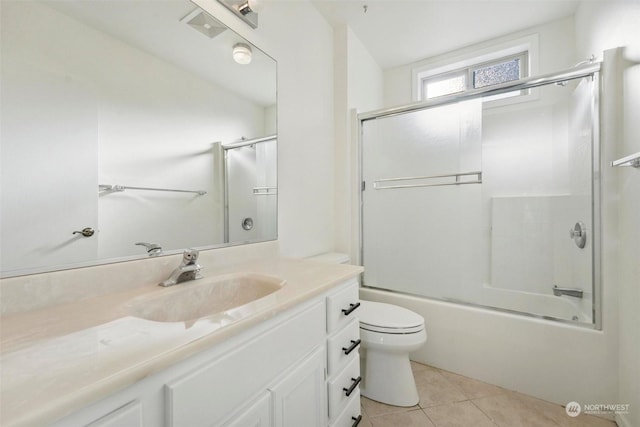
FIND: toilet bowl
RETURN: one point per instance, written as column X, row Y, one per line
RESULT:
column 389, row 333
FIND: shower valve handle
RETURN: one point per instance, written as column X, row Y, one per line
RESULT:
column 579, row 234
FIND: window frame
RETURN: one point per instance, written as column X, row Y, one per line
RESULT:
column 479, row 56
column 469, row 73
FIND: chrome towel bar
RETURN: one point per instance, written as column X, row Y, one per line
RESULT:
column 380, row 184
column 108, row 187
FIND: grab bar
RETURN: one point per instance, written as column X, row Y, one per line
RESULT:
column 108, row 187
column 377, row 184
column 572, row 292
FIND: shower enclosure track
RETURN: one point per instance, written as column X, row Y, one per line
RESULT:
column 522, row 84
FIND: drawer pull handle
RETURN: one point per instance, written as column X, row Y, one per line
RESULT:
column 354, row 345
column 349, row 390
column 356, row 420
column 348, row 311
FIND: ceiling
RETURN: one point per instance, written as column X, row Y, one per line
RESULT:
column 156, row 27
column 399, row 32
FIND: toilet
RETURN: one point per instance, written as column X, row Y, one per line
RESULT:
column 388, row 334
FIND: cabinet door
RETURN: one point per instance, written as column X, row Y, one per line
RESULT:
column 300, row 397
column 258, row 414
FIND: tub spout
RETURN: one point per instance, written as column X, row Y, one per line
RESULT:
column 572, row 292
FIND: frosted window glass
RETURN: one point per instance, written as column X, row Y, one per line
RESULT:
column 496, row 73
column 445, row 86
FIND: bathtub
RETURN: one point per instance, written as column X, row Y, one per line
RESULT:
column 555, row 361
column 563, row 308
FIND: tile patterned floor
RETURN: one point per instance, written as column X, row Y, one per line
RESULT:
column 451, row 400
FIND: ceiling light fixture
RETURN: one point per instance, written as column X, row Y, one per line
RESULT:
column 242, row 53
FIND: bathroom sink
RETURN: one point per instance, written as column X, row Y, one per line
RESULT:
column 204, row 297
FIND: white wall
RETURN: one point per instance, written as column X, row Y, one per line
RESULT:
column 600, row 26
column 358, row 86
column 555, row 52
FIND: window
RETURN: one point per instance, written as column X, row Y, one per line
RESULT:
column 475, row 76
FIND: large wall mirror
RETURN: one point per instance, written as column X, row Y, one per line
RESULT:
column 128, row 130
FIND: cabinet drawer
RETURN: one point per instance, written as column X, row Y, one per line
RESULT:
column 343, row 387
column 210, row 392
column 352, row 414
column 342, row 306
column 343, row 346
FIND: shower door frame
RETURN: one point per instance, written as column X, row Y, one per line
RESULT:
column 592, row 70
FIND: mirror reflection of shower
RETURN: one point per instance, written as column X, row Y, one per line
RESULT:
column 250, row 177
column 471, row 203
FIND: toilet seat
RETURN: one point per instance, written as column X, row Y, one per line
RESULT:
column 388, row 319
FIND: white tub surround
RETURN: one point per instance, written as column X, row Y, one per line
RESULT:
column 61, row 357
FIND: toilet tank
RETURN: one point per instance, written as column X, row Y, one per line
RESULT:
column 331, row 258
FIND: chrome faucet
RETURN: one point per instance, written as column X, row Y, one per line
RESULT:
column 572, row 292
column 189, row 269
column 153, row 249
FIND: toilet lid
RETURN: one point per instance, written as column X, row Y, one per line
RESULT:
column 388, row 318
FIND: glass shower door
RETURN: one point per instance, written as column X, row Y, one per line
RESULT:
column 251, row 192
column 472, row 203
column 420, row 203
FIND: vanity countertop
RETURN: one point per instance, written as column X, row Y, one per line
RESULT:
column 58, row 359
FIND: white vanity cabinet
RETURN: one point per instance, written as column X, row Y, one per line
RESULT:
column 293, row 370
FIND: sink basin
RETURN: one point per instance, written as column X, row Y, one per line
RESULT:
column 204, row 297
